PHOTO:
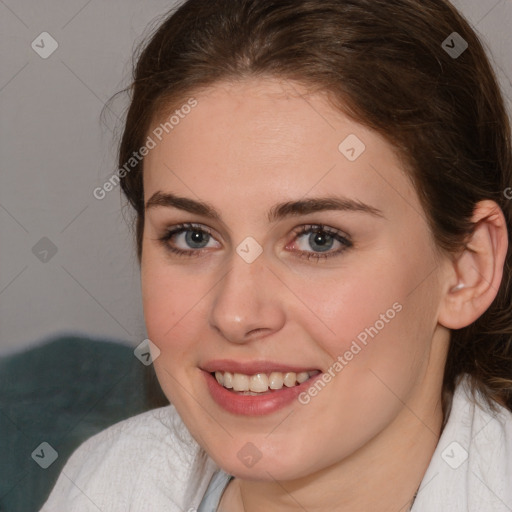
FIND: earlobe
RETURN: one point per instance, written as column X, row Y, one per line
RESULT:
column 477, row 271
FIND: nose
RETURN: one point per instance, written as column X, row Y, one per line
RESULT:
column 246, row 303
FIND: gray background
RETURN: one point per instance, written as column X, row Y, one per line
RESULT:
column 55, row 151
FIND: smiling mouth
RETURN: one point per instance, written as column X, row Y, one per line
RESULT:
column 261, row 383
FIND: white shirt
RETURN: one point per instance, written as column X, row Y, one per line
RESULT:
column 150, row 463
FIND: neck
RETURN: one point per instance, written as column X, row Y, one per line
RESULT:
column 383, row 475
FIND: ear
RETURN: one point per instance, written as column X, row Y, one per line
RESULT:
column 474, row 275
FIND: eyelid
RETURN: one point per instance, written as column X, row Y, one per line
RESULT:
column 310, row 228
column 178, row 229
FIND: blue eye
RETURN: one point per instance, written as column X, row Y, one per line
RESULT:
column 197, row 239
column 320, row 239
column 195, row 235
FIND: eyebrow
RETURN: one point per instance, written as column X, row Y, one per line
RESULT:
column 277, row 212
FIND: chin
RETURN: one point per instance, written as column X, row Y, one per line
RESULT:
column 266, row 469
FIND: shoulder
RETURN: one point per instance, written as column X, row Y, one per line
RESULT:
column 142, row 463
column 471, row 468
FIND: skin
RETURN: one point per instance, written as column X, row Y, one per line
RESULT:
column 245, row 147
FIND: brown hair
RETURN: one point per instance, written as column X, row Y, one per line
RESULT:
column 384, row 64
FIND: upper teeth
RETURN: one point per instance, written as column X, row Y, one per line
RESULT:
column 261, row 382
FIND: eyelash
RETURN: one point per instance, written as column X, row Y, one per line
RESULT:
column 310, row 228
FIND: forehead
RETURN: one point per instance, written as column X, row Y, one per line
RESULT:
column 254, row 137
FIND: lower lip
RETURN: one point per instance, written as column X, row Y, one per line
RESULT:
column 254, row 405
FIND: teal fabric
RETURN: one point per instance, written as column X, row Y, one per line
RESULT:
column 61, row 392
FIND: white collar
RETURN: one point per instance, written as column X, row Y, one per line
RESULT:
column 471, row 469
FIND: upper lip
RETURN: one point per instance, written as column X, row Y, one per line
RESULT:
column 252, row 367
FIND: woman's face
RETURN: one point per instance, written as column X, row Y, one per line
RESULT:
column 357, row 301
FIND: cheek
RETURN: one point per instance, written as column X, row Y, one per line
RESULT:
column 168, row 302
column 170, row 299
column 370, row 314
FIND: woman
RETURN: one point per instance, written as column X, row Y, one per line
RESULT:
column 323, row 229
